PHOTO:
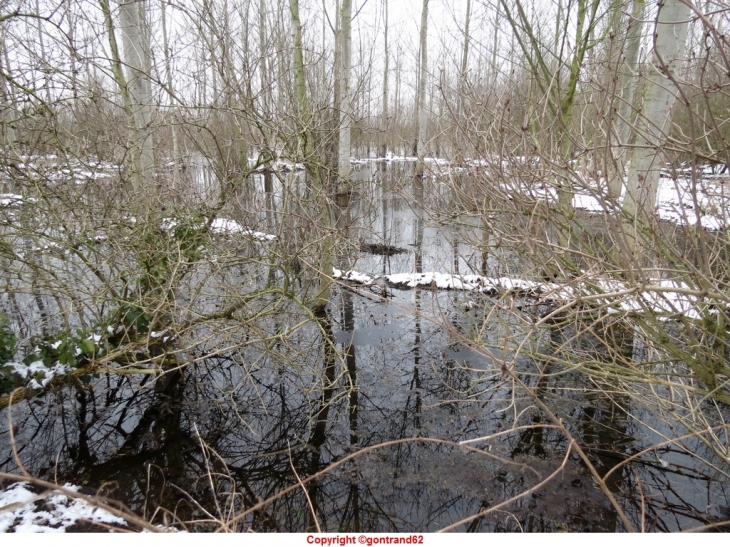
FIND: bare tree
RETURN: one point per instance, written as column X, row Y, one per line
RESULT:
column 266, row 90
column 313, row 166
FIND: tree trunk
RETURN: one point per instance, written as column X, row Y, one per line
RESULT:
column 461, row 110
column 422, row 91
column 45, row 67
column 345, row 106
column 312, row 165
column 121, row 81
column 396, row 110
column 654, row 124
column 73, row 54
column 171, row 95
column 263, row 63
column 628, row 68
column 384, row 133
column 333, row 148
column 495, row 46
column 582, row 37
column 8, row 111
column 132, row 18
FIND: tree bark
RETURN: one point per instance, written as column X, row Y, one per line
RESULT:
column 8, row 111
column 384, row 130
column 312, row 165
column 133, row 141
column 628, row 68
column 345, row 106
column 495, row 46
column 44, row 58
column 263, row 63
column 654, row 124
column 582, row 41
column 132, row 18
column 171, row 95
column 422, row 91
column 461, row 115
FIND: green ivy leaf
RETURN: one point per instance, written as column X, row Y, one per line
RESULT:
column 87, row 346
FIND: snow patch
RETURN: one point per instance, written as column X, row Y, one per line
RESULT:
column 8, row 200
column 674, row 203
column 40, row 375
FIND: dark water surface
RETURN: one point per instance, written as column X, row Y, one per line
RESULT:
column 383, row 388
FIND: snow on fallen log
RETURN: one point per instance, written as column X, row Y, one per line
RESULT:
column 665, row 298
column 448, row 282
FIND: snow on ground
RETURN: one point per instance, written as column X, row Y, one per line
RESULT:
column 14, row 200
column 674, row 198
column 71, row 169
column 675, row 202
column 21, row 510
column 438, row 280
column 281, row 166
column 591, row 203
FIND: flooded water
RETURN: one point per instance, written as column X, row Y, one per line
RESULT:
column 413, row 410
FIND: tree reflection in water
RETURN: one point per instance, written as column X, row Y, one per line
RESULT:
column 240, row 422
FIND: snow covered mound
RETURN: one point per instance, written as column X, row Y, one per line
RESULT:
column 227, row 226
column 24, row 510
column 21, row 510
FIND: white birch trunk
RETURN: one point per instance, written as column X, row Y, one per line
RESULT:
column 73, row 55
column 654, row 123
column 44, row 58
column 396, row 109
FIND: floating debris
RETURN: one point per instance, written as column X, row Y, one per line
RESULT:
column 381, row 249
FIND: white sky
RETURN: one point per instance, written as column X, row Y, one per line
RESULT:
column 446, row 25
